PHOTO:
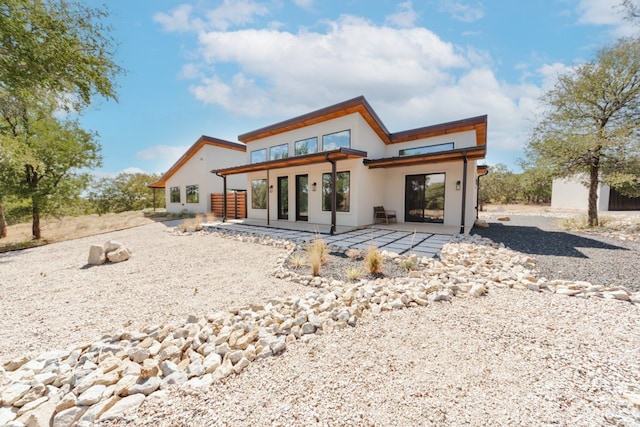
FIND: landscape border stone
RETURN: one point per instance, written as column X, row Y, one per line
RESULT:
column 109, row 378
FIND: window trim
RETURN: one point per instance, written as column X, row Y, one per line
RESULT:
column 348, row 131
column 295, row 148
column 328, row 192
column 172, row 193
column 196, row 193
column 286, row 152
column 428, row 149
column 253, row 194
column 254, row 152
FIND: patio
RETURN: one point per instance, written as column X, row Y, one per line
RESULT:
column 403, row 238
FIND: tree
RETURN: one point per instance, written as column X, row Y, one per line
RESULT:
column 499, row 186
column 590, row 128
column 125, row 192
column 50, row 172
column 53, row 54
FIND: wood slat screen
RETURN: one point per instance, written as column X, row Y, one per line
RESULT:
column 236, row 204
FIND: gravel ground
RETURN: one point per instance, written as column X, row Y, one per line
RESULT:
column 514, row 358
column 560, row 254
column 51, row 299
column 511, row 357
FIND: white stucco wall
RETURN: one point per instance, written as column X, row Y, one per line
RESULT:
column 459, row 139
column 570, row 193
column 197, row 171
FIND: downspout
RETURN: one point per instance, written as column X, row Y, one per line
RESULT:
column 334, row 196
column 268, row 200
column 464, row 192
column 478, row 193
column 224, row 197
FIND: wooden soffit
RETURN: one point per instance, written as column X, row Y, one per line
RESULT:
column 201, row 142
column 472, row 153
column 306, row 159
column 355, row 105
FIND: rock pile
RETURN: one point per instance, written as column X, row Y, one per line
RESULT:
column 111, row 250
column 104, row 379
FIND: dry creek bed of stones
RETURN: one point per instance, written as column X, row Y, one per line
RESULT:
column 404, row 333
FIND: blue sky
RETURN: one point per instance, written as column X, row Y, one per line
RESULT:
column 222, row 68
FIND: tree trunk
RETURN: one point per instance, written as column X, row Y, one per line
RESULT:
column 592, row 212
column 3, row 223
column 35, row 226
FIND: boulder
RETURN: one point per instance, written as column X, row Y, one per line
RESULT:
column 96, row 255
column 119, row 255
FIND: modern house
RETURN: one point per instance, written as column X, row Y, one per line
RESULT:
column 188, row 184
column 571, row 193
column 335, row 165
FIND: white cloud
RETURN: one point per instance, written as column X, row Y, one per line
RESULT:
column 606, row 13
column 404, row 17
column 411, row 77
column 461, row 11
column 229, row 13
column 304, row 4
column 161, row 156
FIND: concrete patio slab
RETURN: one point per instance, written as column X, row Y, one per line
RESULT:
column 403, row 242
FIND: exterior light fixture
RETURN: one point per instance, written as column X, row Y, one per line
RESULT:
column 314, row 186
column 458, row 185
column 271, row 188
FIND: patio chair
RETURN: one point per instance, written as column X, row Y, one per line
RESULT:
column 380, row 214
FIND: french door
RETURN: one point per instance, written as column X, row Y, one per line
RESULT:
column 283, row 197
column 302, row 197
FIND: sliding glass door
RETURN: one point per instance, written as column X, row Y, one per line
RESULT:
column 424, row 198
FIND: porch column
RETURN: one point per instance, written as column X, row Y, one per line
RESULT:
column 224, row 197
column 334, row 197
column 464, row 192
column 268, row 197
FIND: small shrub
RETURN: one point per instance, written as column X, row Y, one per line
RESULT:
column 320, row 247
column 197, row 222
column 373, row 261
column 353, row 273
column 185, row 225
column 297, row 260
column 408, row 264
column 315, row 261
column 211, row 217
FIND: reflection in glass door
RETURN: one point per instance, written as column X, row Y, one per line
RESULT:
column 283, row 197
column 424, row 198
column 302, row 197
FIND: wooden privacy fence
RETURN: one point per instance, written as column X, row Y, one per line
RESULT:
column 236, row 204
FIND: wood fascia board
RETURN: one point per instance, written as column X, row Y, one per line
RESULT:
column 191, row 151
column 307, row 159
column 479, row 124
column 352, row 106
column 475, row 153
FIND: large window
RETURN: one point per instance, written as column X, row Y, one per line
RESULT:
column 259, row 156
column 424, row 198
column 306, row 146
column 279, row 152
column 193, row 194
column 336, row 140
column 342, row 191
column 426, row 149
column 259, row 193
column 174, row 194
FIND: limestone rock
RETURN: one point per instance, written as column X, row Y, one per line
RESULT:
column 92, row 395
column 119, row 255
column 13, row 392
column 7, row 414
column 96, row 255
column 68, row 417
column 175, row 378
column 123, row 406
column 145, row 387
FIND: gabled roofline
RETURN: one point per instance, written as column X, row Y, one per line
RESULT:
column 351, row 106
column 201, row 142
column 360, row 105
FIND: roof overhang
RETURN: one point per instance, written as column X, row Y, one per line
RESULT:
column 470, row 153
column 351, row 106
column 201, row 142
column 477, row 124
column 306, row 159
